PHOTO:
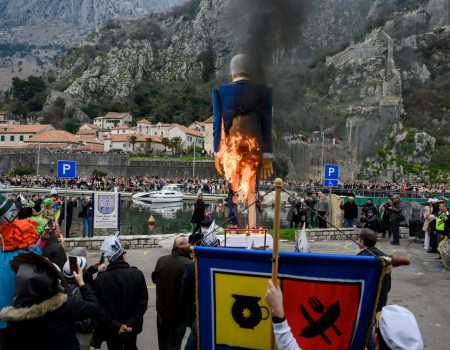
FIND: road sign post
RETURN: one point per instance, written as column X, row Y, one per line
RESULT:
column 330, row 180
column 331, row 175
column 66, row 170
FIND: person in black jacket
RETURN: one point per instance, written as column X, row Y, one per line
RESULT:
column 42, row 317
column 350, row 212
column 167, row 276
column 53, row 250
column 187, row 302
column 199, row 214
column 71, row 203
column 122, row 291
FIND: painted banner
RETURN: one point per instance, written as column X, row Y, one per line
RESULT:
column 328, row 299
column 106, row 210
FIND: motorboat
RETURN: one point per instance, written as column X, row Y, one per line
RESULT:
column 168, row 194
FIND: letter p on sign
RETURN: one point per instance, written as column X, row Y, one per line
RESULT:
column 67, row 169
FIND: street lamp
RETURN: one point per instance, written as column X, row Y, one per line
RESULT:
column 193, row 165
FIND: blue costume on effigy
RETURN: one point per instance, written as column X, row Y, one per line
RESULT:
column 243, row 98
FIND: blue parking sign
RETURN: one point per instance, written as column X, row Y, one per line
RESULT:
column 331, row 175
column 67, row 169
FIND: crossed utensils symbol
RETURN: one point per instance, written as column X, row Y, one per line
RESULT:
column 327, row 320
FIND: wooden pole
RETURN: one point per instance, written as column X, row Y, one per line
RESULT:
column 276, row 241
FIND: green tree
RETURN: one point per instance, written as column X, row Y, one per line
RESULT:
column 132, row 139
column 148, row 145
column 25, row 90
column 166, row 143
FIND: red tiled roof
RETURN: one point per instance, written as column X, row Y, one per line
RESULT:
column 120, row 127
column 209, row 120
column 87, row 132
column 90, row 126
column 61, row 145
column 144, row 121
column 53, row 136
column 24, row 129
column 187, row 130
column 90, row 148
column 139, row 138
column 114, row 115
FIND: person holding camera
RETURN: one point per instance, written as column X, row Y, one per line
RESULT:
column 53, row 250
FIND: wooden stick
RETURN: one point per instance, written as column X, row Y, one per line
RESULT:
column 276, row 241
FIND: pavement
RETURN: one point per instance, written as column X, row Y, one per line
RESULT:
column 423, row 287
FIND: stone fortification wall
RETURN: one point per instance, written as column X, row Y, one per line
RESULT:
column 112, row 164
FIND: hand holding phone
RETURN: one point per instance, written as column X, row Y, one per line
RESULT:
column 73, row 263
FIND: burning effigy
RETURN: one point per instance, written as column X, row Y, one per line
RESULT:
column 242, row 133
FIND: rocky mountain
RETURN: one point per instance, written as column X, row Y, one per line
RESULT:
column 66, row 21
column 376, row 73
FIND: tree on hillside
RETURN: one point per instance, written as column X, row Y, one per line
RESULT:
column 148, row 145
column 176, row 144
column 166, row 142
column 25, row 90
column 132, row 139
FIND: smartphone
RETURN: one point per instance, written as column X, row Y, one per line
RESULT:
column 102, row 258
column 73, row 263
column 50, row 223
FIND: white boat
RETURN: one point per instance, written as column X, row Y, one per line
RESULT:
column 168, row 194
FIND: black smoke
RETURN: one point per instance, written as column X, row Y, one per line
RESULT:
column 268, row 29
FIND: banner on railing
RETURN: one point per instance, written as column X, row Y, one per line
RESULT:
column 328, row 299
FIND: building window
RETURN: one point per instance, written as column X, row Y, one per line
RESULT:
column 11, row 138
column 2, row 138
column 21, row 137
column 189, row 139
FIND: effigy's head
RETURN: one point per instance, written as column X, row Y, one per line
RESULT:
column 240, row 67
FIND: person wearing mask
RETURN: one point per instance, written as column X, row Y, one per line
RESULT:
column 322, row 209
column 13, row 239
column 86, row 214
column 168, row 276
column 199, row 214
column 42, row 317
column 350, row 212
column 122, row 291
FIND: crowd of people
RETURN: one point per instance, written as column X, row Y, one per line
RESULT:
column 64, row 304
column 122, row 183
column 218, row 186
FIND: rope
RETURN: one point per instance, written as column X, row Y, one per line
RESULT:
column 239, row 212
column 329, row 223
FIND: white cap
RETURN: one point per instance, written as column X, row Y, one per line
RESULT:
column 112, row 248
column 53, row 192
column 399, row 329
column 240, row 67
column 66, row 268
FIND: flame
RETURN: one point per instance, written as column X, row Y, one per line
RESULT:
column 239, row 156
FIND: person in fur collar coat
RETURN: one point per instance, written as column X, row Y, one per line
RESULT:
column 42, row 316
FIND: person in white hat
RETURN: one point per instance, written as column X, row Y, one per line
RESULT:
column 397, row 329
column 122, row 292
